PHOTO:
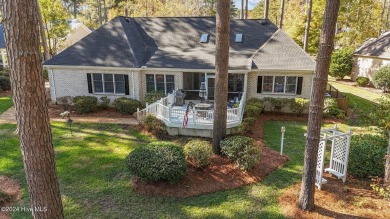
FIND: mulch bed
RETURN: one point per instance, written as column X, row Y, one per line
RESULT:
column 12, row 189
column 354, row 199
column 220, row 175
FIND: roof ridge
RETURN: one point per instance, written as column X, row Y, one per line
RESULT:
column 137, row 63
column 250, row 60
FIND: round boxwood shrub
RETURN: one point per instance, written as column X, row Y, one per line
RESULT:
column 5, row 83
column 126, row 105
column 331, row 109
column 241, row 150
column 252, row 111
column 362, row 81
column 299, row 105
column 158, row 161
column 155, row 126
column 198, row 152
column 381, row 78
column 153, row 96
column 367, row 155
column 256, row 102
column 85, row 104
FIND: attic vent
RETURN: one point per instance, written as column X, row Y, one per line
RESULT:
column 204, row 38
column 239, row 38
column 263, row 22
column 127, row 20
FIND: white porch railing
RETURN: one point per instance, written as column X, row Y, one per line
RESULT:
column 174, row 117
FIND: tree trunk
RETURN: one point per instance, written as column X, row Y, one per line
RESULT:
column 281, row 14
column 75, row 9
column 46, row 54
column 246, row 9
column 31, row 107
column 307, row 28
column 221, row 76
column 100, row 12
column 306, row 198
column 105, row 11
column 242, row 9
column 266, row 8
column 387, row 166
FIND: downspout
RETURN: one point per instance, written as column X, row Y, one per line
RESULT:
column 132, row 79
column 54, row 84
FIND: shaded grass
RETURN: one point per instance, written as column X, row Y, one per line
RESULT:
column 95, row 183
column 5, row 103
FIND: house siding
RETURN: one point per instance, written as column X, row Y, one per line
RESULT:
column 142, row 78
column 306, row 84
column 73, row 82
column 366, row 66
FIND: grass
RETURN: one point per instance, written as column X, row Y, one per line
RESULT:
column 5, row 103
column 95, row 183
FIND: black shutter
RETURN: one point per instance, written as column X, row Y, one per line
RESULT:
column 127, row 90
column 89, row 78
column 299, row 86
column 259, row 84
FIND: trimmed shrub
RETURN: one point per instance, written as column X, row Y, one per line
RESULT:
column 332, row 110
column 85, row 104
column 247, row 125
column 45, row 73
column 65, row 102
column 381, row 78
column 252, row 111
column 256, row 102
column 362, row 81
column 277, row 104
column 155, row 126
column 299, row 105
column 341, row 63
column 241, row 150
column 5, row 83
column 153, row 96
column 367, row 154
column 198, row 152
column 126, row 105
column 104, row 102
column 158, row 161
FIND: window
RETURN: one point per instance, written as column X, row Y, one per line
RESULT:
column 204, row 38
column 159, row 82
column 279, row 84
column 238, row 38
column 109, row 83
column 235, row 83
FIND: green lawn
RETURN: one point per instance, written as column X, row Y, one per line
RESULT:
column 5, row 103
column 95, row 183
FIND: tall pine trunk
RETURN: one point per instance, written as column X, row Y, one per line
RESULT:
column 246, row 9
column 307, row 28
column 31, row 107
column 221, row 76
column 281, row 14
column 387, row 165
column 306, row 197
column 46, row 54
column 266, row 9
column 75, row 9
column 242, row 9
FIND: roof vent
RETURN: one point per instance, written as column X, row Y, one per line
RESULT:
column 204, row 38
column 263, row 22
column 127, row 20
column 238, row 38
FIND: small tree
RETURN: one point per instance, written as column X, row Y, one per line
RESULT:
column 381, row 78
column 341, row 63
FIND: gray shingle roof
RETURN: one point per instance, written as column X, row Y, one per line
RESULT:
column 2, row 40
column 280, row 52
column 379, row 47
column 175, row 43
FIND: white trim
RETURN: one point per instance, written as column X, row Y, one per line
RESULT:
column 104, row 86
column 54, row 84
column 273, row 85
column 184, row 70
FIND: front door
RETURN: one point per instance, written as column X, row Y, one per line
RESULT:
column 210, row 87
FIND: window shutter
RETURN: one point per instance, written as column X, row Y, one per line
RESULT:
column 127, row 90
column 299, row 86
column 89, row 79
column 259, row 84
